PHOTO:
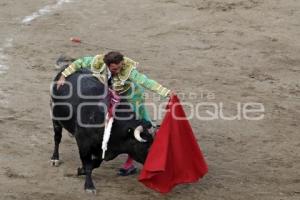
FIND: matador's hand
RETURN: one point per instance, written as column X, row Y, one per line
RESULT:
column 171, row 93
column 60, row 82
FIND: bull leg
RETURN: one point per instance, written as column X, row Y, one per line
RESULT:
column 95, row 163
column 57, row 138
column 88, row 168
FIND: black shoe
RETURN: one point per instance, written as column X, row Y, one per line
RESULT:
column 126, row 172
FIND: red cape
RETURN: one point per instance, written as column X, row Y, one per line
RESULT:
column 175, row 156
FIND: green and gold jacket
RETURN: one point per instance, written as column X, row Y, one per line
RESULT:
column 120, row 82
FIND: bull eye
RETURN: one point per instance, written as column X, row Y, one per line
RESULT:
column 129, row 130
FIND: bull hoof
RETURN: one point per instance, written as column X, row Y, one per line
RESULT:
column 91, row 191
column 55, row 163
column 80, row 172
column 89, row 187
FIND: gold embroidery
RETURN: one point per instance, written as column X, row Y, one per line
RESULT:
column 97, row 62
column 120, row 83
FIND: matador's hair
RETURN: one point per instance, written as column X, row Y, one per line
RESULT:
column 113, row 57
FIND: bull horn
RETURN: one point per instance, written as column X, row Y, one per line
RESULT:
column 137, row 134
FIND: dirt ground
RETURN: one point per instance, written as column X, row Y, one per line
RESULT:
column 239, row 50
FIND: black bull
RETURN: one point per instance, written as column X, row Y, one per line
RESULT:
column 78, row 107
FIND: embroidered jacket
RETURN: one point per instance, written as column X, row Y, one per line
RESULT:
column 120, row 82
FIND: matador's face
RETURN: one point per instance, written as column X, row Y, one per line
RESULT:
column 115, row 68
